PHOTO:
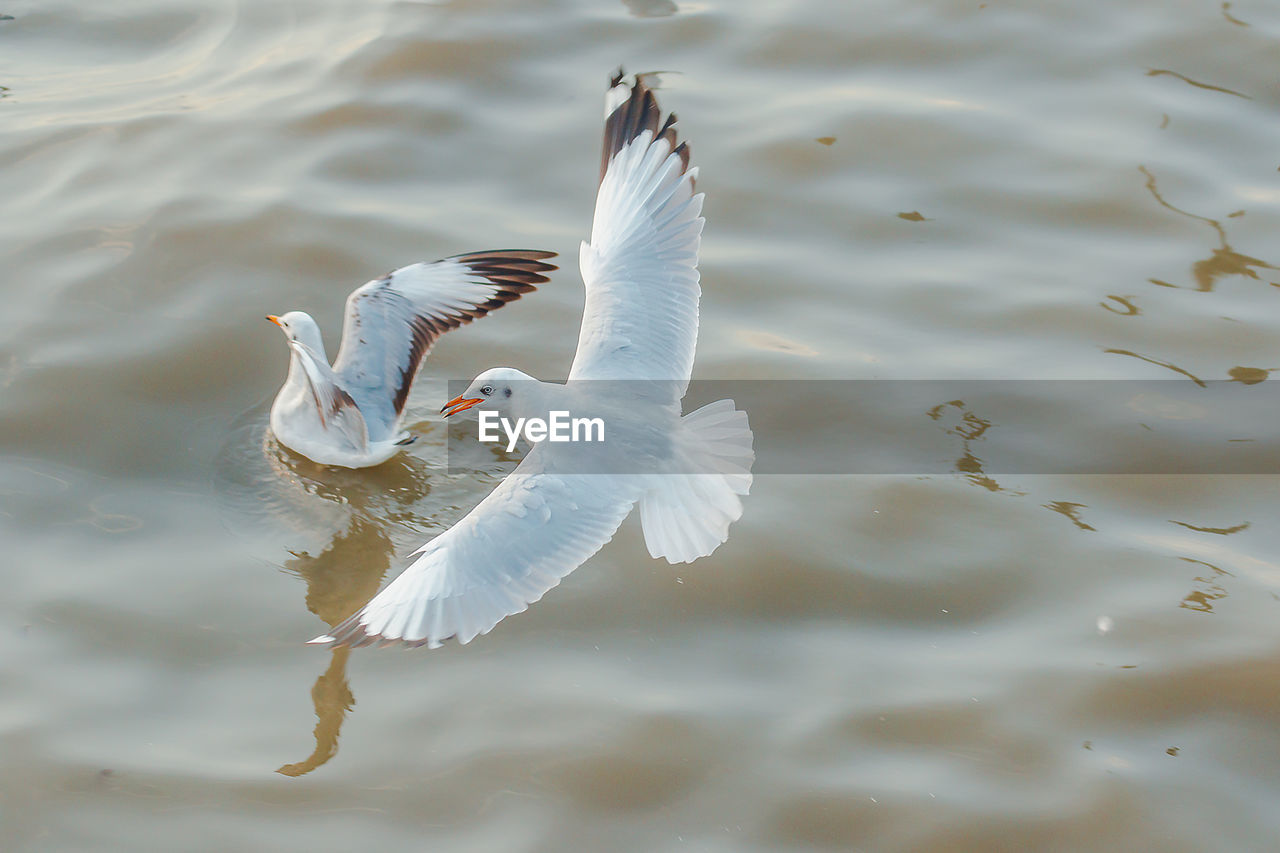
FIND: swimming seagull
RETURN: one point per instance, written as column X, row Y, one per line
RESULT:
column 349, row 414
column 635, row 355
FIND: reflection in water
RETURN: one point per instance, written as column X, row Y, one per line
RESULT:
column 332, row 698
column 970, row 428
column 1226, row 13
column 269, row 492
column 1208, row 589
column 1249, row 375
column 1071, row 511
column 340, row 580
column 1156, row 72
column 1130, row 310
column 1223, row 262
column 1157, row 361
column 1221, row 531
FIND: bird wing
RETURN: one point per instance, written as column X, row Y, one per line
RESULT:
column 392, row 322
column 531, row 531
column 641, row 266
column 337, row 409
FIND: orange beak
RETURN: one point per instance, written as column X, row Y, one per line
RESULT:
column 459, row 404
column 273, row 318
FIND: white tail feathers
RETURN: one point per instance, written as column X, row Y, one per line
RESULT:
column 686, row 513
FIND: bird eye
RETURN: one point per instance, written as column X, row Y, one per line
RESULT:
column 487, row 390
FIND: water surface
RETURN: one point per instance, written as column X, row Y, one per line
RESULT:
column 951, row 658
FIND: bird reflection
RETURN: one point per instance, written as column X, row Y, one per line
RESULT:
column 1224, row 260
column 340, row 579
column 340, row 528
column 343, row 576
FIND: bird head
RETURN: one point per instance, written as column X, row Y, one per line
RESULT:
column 298, row 326
column 501, row 389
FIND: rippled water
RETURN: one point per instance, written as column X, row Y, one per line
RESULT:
column 951, row 659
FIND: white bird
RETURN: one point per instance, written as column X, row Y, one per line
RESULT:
column 635, row 354
column 349, row 414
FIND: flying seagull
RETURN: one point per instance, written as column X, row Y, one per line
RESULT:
column 635, row 355
column 349, row 414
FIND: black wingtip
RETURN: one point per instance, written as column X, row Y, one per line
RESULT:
column 632, row 117
column 513, row 272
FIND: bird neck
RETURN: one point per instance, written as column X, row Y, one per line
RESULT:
column 297, row 370
column 297, row 377
column 309, row 333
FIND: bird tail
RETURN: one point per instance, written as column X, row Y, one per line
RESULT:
column 686, row 514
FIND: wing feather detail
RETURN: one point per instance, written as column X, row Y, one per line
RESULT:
column 336, row 408
column 640, row 267
column 518, row 543
column 392, row 322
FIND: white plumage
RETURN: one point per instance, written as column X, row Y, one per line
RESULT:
column 634, row 359
column 349, row 414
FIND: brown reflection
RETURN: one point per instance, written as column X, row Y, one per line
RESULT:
column 1208, row 591
column 1221, row 531
column 1223, row 262
column 269, row 494
column 1164, row 364
column 1249, row 375
column 1071, row 511
column 1226, row 13
column 1130, row 310
column 340, row 580
column 1156, row 72
column 332, row 698
column 969, row 429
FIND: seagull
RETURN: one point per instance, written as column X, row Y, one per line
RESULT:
column 564, row 501
column 349, row 414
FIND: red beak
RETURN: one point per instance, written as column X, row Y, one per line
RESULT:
column 459, row 404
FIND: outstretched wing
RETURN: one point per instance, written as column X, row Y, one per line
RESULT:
column 531, row 531
column 641, row 266
column 393, row 321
